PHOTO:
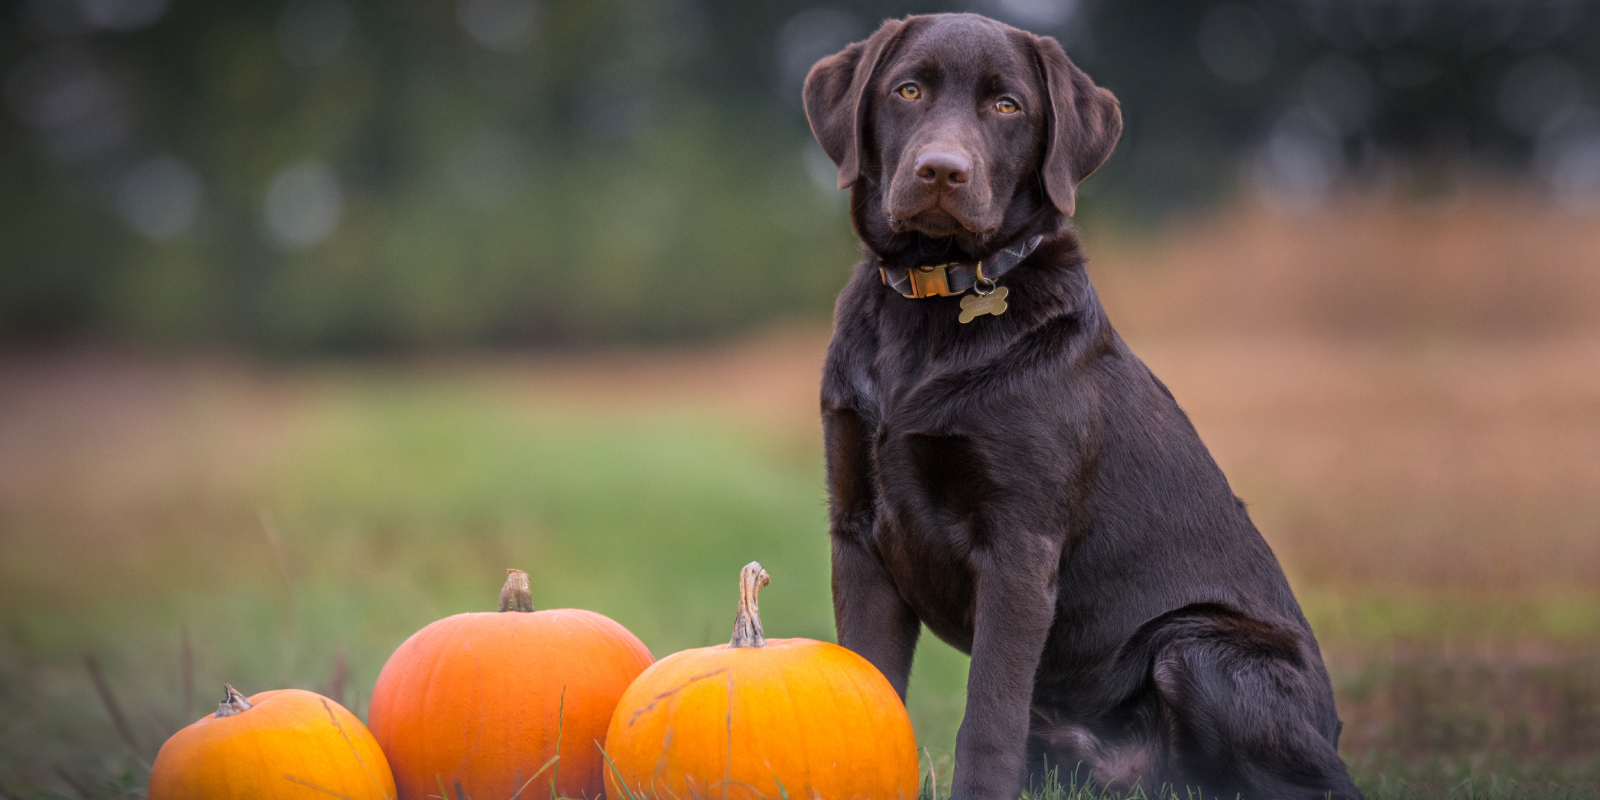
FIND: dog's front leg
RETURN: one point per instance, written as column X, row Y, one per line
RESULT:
column 1016, row 598
column 870, row 615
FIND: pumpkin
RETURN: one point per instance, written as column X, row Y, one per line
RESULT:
column 761, row 718
column 283, row 745
column 481, row 704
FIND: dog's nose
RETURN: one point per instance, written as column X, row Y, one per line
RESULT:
column 943, row 168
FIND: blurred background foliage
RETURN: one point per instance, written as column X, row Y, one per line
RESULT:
column 303, row 176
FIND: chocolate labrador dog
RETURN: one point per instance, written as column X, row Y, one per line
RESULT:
column 1003, row 470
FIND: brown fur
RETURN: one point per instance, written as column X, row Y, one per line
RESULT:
column 1023, row 485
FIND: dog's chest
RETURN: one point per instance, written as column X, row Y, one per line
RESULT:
column 931, row 484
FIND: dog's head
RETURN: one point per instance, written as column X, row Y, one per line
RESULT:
column 957, row 130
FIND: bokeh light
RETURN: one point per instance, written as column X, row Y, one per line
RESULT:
column 1567, row 158
column 1236, row 43
column 160, row 197
column 501, row 25
column 1340, row 89
column 72, row 103
column 808, row 36
column 77, row 17
column 303, row 204
column 121, row 15
column 1538, row 90
column 1298, row 165
column 489, row 167
column 311, row 33
column 1042, row 16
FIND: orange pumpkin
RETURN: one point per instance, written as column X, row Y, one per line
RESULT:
column 287, row 744
column 759, row 718
column 480, row 705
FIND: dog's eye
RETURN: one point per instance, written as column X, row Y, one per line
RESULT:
column 909, row 91
column 1006, row 105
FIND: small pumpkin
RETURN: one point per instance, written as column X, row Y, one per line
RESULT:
column 761, row 718
column 480, row 704
column 284, row 745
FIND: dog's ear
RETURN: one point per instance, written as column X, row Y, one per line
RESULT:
column 1082, row 124
column 835, row 97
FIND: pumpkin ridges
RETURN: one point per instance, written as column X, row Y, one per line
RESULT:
column 688, row 709
column 581, row 722
column 909, row 770
column 864, row 710
column 350, row 744
column 397, row 740
column 834, row 727
column 247, row 754
column 794, row 715
column 656, row 695
column 329, row 754
column 497, row 679
column 786, row 722
column 334, row 743
column 436, row 737
column 814, row 716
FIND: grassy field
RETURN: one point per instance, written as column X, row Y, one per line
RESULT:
column 1433, row 488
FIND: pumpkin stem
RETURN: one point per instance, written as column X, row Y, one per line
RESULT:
column 747, row 623
column 233, row 703
column 515, row 595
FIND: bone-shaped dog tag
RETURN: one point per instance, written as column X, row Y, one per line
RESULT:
column 976, row 305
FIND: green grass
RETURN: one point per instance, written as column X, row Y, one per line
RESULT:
column 394, row 501
column 396, row 506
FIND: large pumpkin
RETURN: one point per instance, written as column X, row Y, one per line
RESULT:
column 761, row 718
column 480, row 705
column 283, row 745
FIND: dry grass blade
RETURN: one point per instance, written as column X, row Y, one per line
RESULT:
column 110, row 702
column 341, row 673
column 186, row 670
column 627, row 791
column 534, row 776
column 561, row 715
column 275, row 543
column 70, row 781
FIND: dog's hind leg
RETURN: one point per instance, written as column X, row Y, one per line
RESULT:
column 1247, row 711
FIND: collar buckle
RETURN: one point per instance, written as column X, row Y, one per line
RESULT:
column 929, row 281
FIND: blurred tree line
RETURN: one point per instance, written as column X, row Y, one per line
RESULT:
column 358, row 175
